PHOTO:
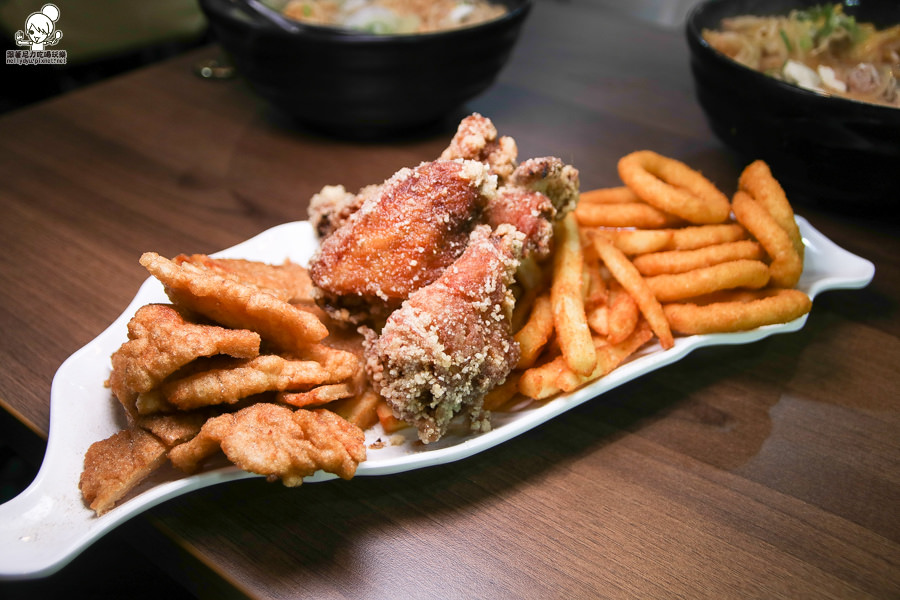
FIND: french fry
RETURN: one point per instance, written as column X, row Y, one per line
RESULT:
column 359, row 410
column 631, row 280
column 389, row 423
column 624, row 214
column 609, row 357
column 753, row 274
column 567, row 301
column 623, row 316
column 637, row 241
column 498, row 397
column 539, row 382
column 536, row 332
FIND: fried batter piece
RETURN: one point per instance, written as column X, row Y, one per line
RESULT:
column 278, row 442
column 114, row 466
column 175, row 428
column 161, row 341
column 235, row 304
column 450, row 343
column 238, row 379
column 553, row 178
column 476, row 138
column 288, row 281
column 401, row 238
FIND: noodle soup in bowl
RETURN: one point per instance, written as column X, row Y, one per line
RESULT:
column 356, row 83
column 823, row 146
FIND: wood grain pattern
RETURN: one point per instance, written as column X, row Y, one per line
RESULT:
column 761, row 471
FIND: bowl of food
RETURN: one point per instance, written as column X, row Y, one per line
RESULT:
column 810, row 88
column 367, row 73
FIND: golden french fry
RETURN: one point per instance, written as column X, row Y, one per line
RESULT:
column 498, row 397
column 567, row 301
column 389, row 423
column 624, row 315
column 698, row 236
column 787, row 263
column 680, row 261
column 609, row 357
column 757, row 180
column 539, row 382
column 536, row 332
column 637, row 241
column 631, row 280
column 598, row 320
column 624, row 214
column 359, row 410
column 742, row 273
column 673, row 187
column 776, row 306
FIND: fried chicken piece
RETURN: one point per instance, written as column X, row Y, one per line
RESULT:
column 235, row 303
column 114, row 466
column 278, row 442
column 477, row 139
column 530, row 212
column 400, row 239
column 551, row 177
column 333, row 205
column 161, row 341
column 176, row 428
column 288, row 281
column 450, row 343
column 239, row 379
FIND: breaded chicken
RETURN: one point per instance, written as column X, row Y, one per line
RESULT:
column 450, row 343
column 401, row 238
column 477, row 139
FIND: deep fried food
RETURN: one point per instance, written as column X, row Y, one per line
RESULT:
column 751, row 274
column 400, row 239
column 477, row 139
column 288, row 281
column 529, row 211
column 239, row 379
column 787, row 263
column 757, row 181
column 278, row 442
column 767, row 308
column 114, row 466
column 569, row 318
column 161, row 341
column 450, row 343
column 551, row 177
column 235, row 304
column 624, row 214
column 176, row 428
column 673, row 187
column 680, row 261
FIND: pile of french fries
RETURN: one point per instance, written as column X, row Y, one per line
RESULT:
column 625, row 272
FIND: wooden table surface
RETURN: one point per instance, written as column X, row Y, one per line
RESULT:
column 760, row 471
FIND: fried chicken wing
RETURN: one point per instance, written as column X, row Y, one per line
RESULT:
column 450, row 342
column 401, row 238
column 477, row 139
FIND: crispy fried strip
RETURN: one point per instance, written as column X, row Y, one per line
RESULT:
column 787, row 264
column 235, row 304
column 673, row 187
column 609, row 357
column 245, row 378
column 680, row 261
column 623, row 317
column 628, row 276
column 782, row 306
column 536, row 332
column 757, row 180
column 743, row 273
column 114, row 466
column 637, row 241
column 624, row 214
column 567, row 301
column 317, row 396
column 691, row 238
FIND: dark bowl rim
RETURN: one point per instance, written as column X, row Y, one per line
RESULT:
column 355, row 37
column 838, row 103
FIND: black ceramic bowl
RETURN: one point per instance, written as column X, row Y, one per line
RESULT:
column 361, row 85
column 821, row 148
